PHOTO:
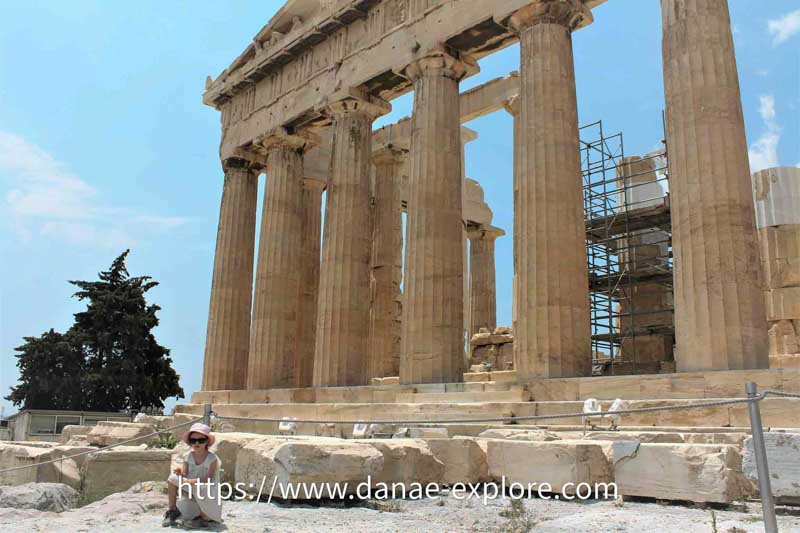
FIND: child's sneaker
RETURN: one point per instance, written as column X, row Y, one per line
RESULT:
column 170, row 517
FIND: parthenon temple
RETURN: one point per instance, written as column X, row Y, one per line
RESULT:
column 445, row 299
column 393, row 291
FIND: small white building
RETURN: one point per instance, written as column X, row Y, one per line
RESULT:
column 46, row 424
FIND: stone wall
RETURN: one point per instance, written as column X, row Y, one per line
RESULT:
column 492, row 350
column 777, row 197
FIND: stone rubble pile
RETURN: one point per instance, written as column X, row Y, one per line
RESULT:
column 492, row 350
column 108, row 433
column 673, row 464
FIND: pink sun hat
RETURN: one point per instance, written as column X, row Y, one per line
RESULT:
column 199, row 428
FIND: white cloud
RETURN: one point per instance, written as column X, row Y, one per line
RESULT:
column 766, row 108
column 43, row 197
column 782, row 29
column 764, row 152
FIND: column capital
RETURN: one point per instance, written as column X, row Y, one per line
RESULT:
column 387, row 154
column 485, row 233
column 242, row 160
column 468, row 135
column 439, row 62
column 512, row 106
column 281, row 138
column 356, row 101
column 314, row 184
column 572, row 14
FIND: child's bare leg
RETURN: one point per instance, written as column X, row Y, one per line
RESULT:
column 172, row 495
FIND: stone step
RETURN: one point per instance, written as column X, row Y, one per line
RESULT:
column 479, row 386
column 719, row 384
column 464, row 397
column 776, row 412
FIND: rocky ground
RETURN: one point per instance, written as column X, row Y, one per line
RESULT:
column 140, row 510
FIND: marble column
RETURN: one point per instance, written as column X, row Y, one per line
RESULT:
column 483, row 291
column 466, row 298
column 467, row 136
column 340, row 356
column 385, row 314
column 512, row 107
column 433, row 339
column 311, row 227
column 225, row 362
column 720, row 321
column 273, row 335
column 551, row 334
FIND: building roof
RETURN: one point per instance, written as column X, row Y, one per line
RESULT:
column 66, row 412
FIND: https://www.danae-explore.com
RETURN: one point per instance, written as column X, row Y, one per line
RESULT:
column 269, row 489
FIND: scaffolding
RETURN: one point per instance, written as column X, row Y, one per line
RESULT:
column 628, row 244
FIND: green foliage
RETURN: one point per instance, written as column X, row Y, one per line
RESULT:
column 166, row 440
column 384, row 506
column 109, row 359
column 50, row 369
column 519, row 520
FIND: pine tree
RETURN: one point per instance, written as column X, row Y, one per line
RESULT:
column 50, row 373
column 125, row 366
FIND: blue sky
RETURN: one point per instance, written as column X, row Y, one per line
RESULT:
column 105, row 144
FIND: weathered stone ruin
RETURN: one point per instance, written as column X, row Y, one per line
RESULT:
column 492, row 350
column 777, row 198
column 335, row 326
column 365, row 334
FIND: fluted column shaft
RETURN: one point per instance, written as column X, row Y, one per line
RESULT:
column 551, row 336
column 311, row 227
column 273, row 338
column 512, row 107
column 225, row 362
column 483, row 292
column 433, row 314
column 720, row 322
column 340, row 356
column 385, row 314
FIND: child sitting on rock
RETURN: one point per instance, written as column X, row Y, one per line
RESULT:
column 191, row 497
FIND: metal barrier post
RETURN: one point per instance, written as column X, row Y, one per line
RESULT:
column 207, row 414
column 760, row 450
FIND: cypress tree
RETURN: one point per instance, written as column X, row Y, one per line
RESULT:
column 109, row 359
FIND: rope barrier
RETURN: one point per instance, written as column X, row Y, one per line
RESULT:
column 781, row 394
column 167, row 430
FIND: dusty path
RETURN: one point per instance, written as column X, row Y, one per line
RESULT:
column 141, row 512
